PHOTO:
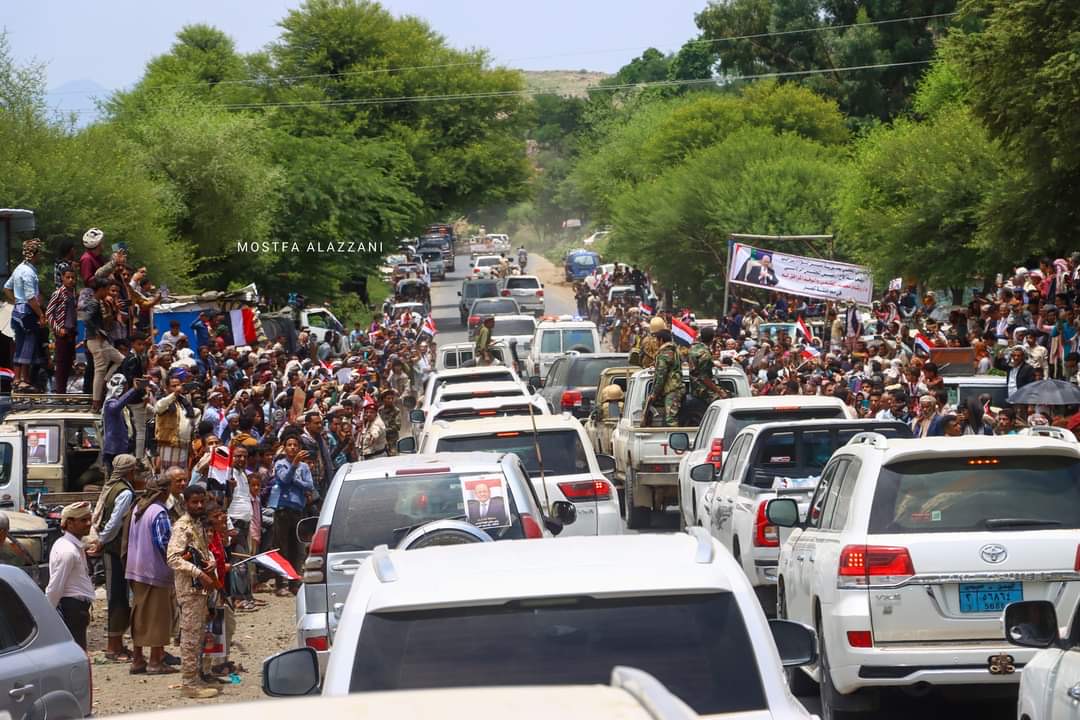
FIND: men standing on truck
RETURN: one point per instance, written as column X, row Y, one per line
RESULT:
column 668, row 390
column 702, row 385
column 650, row 345
column 482, row 350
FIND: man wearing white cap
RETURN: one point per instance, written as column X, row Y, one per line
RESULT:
column 70, row 589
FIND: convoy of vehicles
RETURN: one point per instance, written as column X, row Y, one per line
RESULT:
column 556, row 337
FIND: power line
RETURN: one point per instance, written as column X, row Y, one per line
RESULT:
column 436, row 66
column 495, row 94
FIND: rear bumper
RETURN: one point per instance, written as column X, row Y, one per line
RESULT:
column 654, row 479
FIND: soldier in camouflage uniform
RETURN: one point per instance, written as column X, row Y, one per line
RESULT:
column 668, row 390
column 650, row 345
column 391, row 417
column 702, row 384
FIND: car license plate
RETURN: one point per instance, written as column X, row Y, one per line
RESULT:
column 989, row 597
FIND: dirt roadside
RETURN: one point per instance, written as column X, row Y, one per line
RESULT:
column 259, row 634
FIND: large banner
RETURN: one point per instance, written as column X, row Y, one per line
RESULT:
column 797, row 275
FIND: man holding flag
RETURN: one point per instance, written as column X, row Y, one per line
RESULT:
column 668, row 389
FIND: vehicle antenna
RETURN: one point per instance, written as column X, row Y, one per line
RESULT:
column 539, row 457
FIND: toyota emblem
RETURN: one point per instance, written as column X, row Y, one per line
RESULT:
column 993, row 553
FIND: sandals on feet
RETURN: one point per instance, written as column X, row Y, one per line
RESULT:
column 124, row 656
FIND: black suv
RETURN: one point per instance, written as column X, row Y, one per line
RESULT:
column 473, row 289
column 572, row 379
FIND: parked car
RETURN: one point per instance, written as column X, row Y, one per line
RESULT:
column 507, row 612
column 912, row 549
column 572, row 379
column 43, row 672
column 378, row 502
column 580, row 264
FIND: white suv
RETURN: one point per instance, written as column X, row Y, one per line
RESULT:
column 568, row 612
column 912, row 549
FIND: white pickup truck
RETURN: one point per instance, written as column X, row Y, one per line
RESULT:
column 644, row 461
column 767, row 461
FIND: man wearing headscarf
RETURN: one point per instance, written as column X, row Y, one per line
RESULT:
column 28, row 317
column 151, row 578
column 371, row 436
column 114, row 505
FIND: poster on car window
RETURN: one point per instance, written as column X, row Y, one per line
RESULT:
column 486, row 503
column 798, row 275
column 41, row 446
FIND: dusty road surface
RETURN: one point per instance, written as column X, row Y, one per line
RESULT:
column 258, row 635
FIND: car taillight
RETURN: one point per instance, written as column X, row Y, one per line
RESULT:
column 887, row 565
column 473, row 319
column 860, row 638
column 320, row 642
column 571, row 399
column 531, row 527
column 539, row 293
column 586, row 491
column 505, row 293
column 765, row 534
column 315, row 563
column 476, row 269
column 1076, row 562
column 716, row 453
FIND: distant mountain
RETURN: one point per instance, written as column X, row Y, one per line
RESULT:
column 571, row 83
column 77, row 95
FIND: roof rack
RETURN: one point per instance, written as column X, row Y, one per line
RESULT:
column 32, row 401
column 384, row 566
column 873, row 439
column 654, row 698
column 704, row 552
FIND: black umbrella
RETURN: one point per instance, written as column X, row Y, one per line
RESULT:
column 1046, row 392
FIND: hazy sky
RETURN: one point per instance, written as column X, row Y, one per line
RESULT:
column 109, row 41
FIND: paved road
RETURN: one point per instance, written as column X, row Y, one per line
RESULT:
column 559, row 301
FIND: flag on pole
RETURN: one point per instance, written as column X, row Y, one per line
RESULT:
column 276, row 563
column 923, row 343
column 682, row 333
column 810, row 352
column 220, row 464
column 645, row 309
column 242, row 324
column 805, row 330
column 429, row 327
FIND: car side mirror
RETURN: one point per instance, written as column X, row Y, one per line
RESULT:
column 706, row 472
column 679, row 441
column 783, row 512
column 291, row 673
column 417, row 417
column 459, row 293
column 305, row 529
column 796, row 643
column 406, row 445
column 565, row 512
column 1031, row 624
column 606, row 464
column 536, row 382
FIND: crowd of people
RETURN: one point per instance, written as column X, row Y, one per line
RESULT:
column 212, row 452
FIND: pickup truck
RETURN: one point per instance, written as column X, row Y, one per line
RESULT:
column 600, row 425
column 644, row 462
column 766, row 461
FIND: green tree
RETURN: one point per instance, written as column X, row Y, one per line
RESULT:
column 651, row 66
column 1021, row 68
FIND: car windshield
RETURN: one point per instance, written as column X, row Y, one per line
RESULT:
column 742, row 418
column 562, row 450
column 587, row 260
column 585, row 372
column 526, row 283
column 581, row 339
column 696, row 645
column 520, row 326
column 368, row 512
column 977, row 493
column 486, row 262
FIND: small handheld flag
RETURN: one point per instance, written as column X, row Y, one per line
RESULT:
column 682, row 333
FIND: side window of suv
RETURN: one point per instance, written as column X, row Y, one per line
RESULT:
column 842, row 506
column 16, row 622
column 815, row 516
column 731, row 461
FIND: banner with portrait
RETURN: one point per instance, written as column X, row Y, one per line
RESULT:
column 798, row 275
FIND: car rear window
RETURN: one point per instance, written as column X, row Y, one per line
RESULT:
column 562, row 450
column 522, row 283
column 377, row 512
column 472, row 413
column 804, row 453
column 739, row 419
column 587, row 260
column 486, row 262
column 501, row 305
column 481, row 290
column 514, row 327
column 697, row 646
column 977, row 493
column 578, row 339
column 585, row 372
column 451, row 395
column 497, row 375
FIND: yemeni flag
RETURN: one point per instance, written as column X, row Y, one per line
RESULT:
column 923, row 343
column 242, row 324
column 645, row 309
column 810, row 352
column 805, row 330
column 220, row 464
column 429, row 327
column 276, row 563
column 682, row 333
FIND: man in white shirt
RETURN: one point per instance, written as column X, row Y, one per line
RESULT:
column 70, row 589
column 172, row 336
column 240, row 514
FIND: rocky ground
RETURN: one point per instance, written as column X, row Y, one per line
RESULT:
column 258, row 635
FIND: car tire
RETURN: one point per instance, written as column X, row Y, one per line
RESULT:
column 829, row 696
column 798, row 681
column 637, row 517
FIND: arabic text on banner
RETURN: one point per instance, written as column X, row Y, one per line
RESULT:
column 798, row 275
